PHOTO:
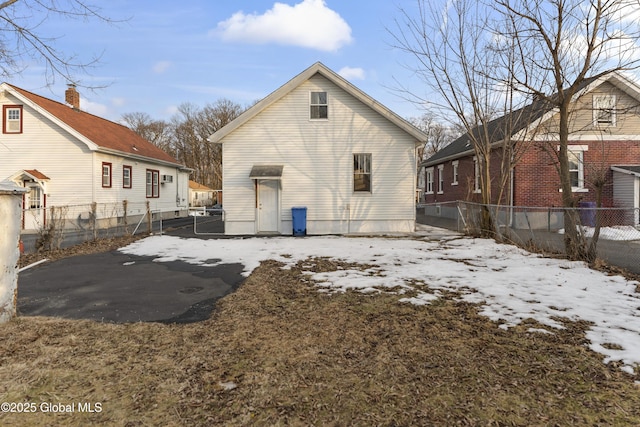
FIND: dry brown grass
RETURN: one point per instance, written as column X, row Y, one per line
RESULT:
column 277, row 352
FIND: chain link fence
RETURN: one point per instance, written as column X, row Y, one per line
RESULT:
column 542, row 228
column 56, row 227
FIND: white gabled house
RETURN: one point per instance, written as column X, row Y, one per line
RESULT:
column 321, row 143
column 72, row 159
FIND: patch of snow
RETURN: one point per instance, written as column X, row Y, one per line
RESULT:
column 620, row 232
column 509, row 283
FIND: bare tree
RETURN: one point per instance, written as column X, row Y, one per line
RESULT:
column 158, row 132
column 191, row 127
column 457, row 58
column 562, row 46
column 21, row 37
column 438, row 135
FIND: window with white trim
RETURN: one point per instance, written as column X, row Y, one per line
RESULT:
column 604, row 110
column 476, row 175
column 440, row 179
column 35, row 197
column 153, row 183
column 362, row 172
column 429, row 180
column 576, row 168
column 318, row 106
column 454, row 166
column 106, row 175
column 12, row 122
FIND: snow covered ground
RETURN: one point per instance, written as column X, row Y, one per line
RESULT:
column 620, row 232
column 510, row 284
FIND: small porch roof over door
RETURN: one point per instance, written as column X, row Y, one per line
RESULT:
column 30, row 175
column 266, row 172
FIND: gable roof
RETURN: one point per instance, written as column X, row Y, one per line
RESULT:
column 97, row 133
column 198, row 187
column 526, row 118
column 522, row 118
column 319, row 68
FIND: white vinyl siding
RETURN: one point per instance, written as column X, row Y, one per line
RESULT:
column 75, row 171
column 318, row 163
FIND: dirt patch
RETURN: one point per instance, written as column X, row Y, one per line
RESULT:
column 278, row 352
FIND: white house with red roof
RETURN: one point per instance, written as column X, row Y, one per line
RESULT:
column 83, row 164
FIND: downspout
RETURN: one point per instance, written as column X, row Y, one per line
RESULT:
column 93, row 178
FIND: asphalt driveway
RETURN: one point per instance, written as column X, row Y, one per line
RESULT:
column 120, row 288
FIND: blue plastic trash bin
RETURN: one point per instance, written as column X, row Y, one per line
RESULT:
column 299, row 215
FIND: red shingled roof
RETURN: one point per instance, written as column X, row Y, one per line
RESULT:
column 36, row 174
column 102, row 132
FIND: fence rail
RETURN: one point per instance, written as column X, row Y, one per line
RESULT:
column 543, row 227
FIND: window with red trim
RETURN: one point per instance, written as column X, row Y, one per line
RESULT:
column 126, row 176
column 12, row 119
column 106, row 175
column 153, row 183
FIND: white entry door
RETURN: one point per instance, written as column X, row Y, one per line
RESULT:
column 268, row 217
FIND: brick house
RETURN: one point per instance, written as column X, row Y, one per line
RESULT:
column 604, row 141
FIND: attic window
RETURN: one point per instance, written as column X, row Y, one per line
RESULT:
column 12, row 119
column 604, row 110
column 319, row 107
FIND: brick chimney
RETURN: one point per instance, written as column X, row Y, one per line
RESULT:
column 72, row 97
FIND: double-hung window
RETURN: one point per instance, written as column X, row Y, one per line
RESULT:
column 476, row 175
column 604, row 110
column 576, row 167
column 106, row 175
column 12, row 119
column 454, row 166
column 440, row 179
column 362, row 172
column 429, row 180
column 319, row 106
column 126, row 176
column 153, row 183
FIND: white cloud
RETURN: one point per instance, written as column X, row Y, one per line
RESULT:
column 350, row 73
column 161, row 66
column 94, row 108
column 308, row 24
column 118, row 102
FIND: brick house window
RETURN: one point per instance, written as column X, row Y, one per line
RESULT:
column 454, row 166
column 126, row 176
column 153, row 183
column 576, row 167
column 476, row 175
column 440, row 179
column 12, row 119
column 106, row 175
column 429, row 180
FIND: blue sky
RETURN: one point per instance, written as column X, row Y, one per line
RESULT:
column 199, row 51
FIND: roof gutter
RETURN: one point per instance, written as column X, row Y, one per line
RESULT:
column 142, row 158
